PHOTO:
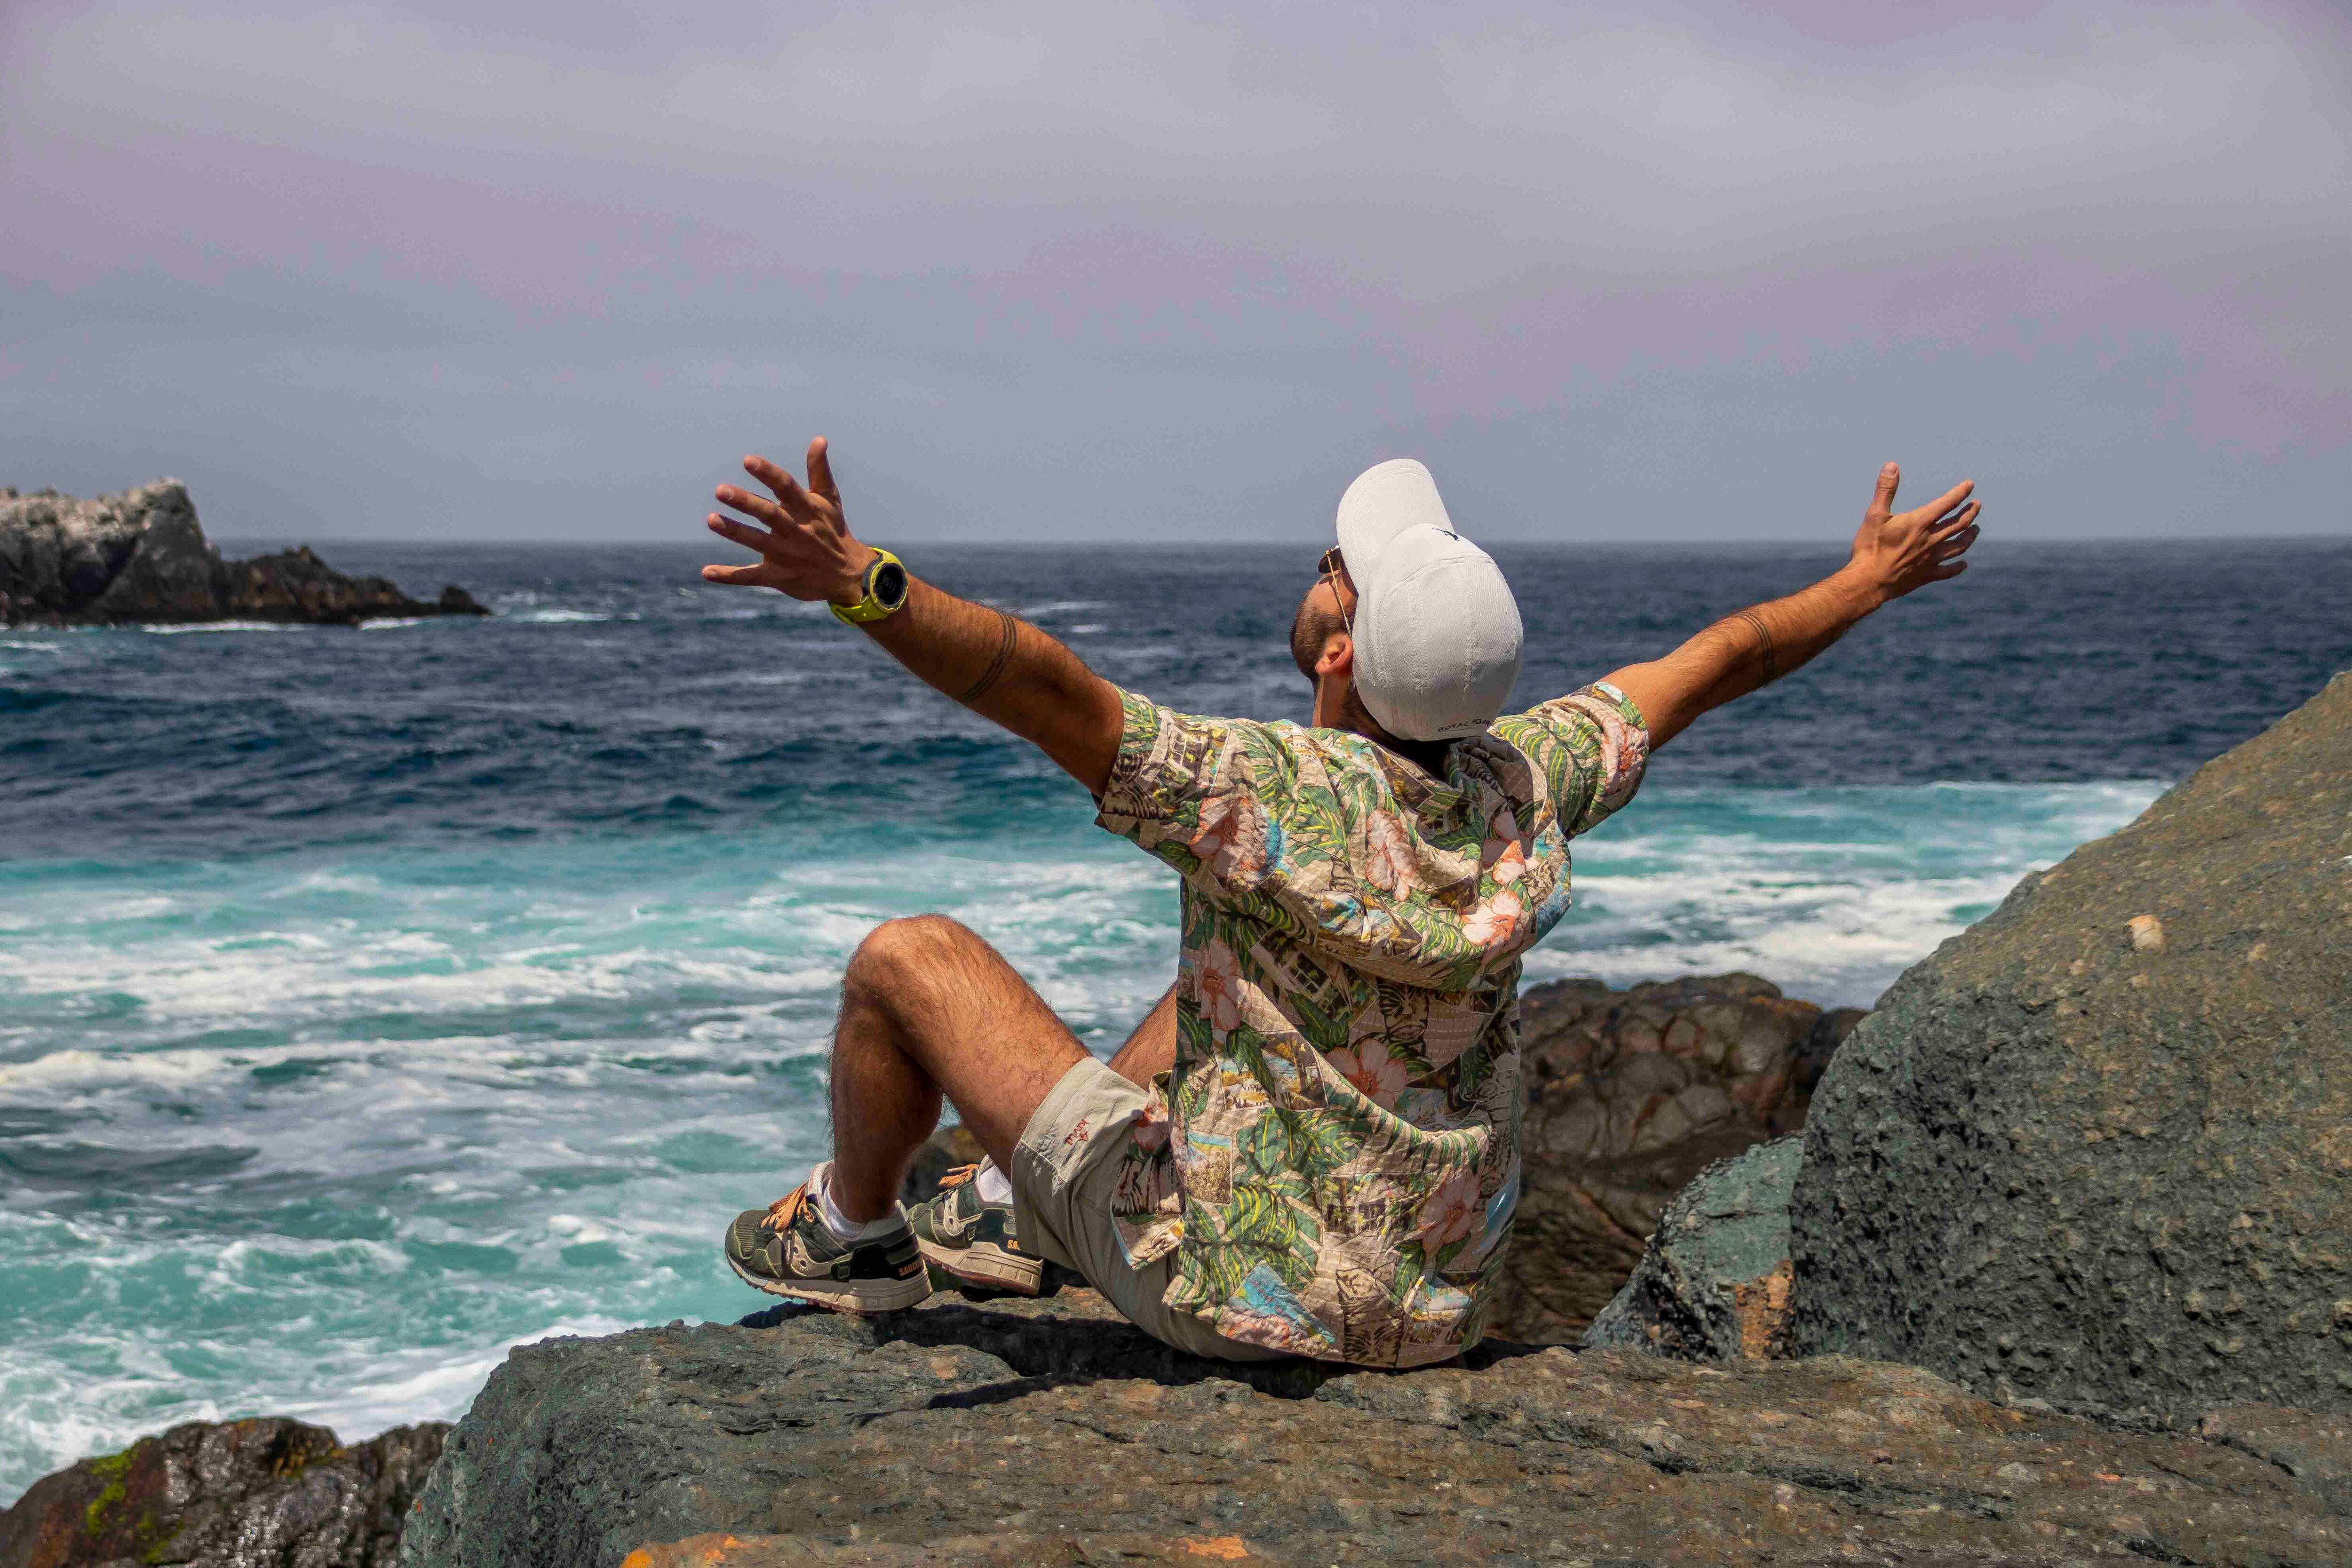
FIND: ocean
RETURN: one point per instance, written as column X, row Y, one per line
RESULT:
column 372, row 1001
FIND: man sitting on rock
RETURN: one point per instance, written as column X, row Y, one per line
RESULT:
column 1311, row 1145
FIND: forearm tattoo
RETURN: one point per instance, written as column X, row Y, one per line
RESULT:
column 1763, row 644
column 996, row 666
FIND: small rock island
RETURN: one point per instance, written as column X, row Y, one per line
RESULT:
column 141, row 558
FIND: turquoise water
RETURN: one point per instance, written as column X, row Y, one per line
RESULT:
column 370, row 1003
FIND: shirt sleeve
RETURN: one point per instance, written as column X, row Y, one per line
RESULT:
column 1589, row 748
column 1215, row 798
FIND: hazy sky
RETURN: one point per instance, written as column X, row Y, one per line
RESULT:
column 1109, row 270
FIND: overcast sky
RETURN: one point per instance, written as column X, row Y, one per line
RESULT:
column 1107, row 270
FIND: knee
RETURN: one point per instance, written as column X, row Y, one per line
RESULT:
column 897, row 952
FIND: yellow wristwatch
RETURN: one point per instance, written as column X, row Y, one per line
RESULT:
column 885, row 589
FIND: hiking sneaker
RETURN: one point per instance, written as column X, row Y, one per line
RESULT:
column 973, row 1239
column 786, row 1250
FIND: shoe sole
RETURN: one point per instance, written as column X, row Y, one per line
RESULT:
column 987, row 1264
column 860, row 1299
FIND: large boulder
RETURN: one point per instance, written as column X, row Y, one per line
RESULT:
column 1630, row 1095
column 235, row 1494
column 2098, row 1150
column 1046, row 1432
column 141, row 556
column 61, row 557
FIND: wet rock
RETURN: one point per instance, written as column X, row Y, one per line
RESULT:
column 141, row 556
column 2094, row 1151
column 1046, row 1432
column 1630, row 1095
column 233, row 1494
column 1714, row 1281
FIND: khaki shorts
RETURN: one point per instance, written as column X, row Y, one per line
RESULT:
column 1064, row 1172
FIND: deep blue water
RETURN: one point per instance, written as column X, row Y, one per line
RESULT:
column 371, row 1000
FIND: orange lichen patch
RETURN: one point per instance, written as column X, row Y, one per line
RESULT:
column 694, row 1552
column 1227, row 1548
column 1762, row 1308
column 2147, row 933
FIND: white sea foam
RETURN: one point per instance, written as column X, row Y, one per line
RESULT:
column 431, row 1387
column 182, row 628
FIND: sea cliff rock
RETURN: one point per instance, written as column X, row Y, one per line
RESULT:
column 141, row 556
column 235, row 1494
column 2098, row 1150
column 1030, row 1432
column 1630, row 1095
column 1714, row 1281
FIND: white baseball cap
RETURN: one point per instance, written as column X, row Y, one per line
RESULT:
column 1437, row 633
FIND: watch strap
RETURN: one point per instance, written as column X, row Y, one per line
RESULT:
column 870, row 607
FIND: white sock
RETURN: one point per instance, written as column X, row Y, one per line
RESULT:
column 845, row 1230
column 995, row 1186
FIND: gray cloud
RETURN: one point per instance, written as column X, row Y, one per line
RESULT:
column 1115, row 270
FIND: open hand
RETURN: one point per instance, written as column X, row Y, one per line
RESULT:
column 1896, row 552
column 806, row 549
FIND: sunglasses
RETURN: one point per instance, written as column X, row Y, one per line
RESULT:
column 1327, row 570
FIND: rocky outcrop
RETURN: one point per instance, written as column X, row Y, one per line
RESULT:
column 2098, row 1150
column 236, row 1494
column 1714, row 1281
column 1031, row 1432
column 141, row 556
column 1630, row 1095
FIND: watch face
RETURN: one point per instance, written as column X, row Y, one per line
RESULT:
column 890, row 585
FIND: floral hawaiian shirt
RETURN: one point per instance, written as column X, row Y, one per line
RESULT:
column 1334, row 1159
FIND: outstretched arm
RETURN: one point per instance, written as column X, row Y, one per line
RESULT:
column 1893, row 554
column 998, row 665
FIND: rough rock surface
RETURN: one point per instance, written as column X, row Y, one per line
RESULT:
column 1714, row 1282
column 141, row 556
column 2098, row 1150
column 1027, row 1432
column 1630, row 1095
column 236, row 1494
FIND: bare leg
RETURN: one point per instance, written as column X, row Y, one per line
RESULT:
column 930, row 1009
column 1151, row 1049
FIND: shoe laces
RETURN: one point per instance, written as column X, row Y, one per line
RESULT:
column 786, row 1209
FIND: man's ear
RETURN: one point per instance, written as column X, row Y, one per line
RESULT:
column 1339, row 655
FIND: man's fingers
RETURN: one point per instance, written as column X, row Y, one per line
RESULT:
column 742, row 534
column 1890, row 479
column 1956, row 545
column 788, row 489
column 1943, row 504
column 759, row 507
column 1957, row 521
column 1946, row 573
column 742, row 577
column 820, row 471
